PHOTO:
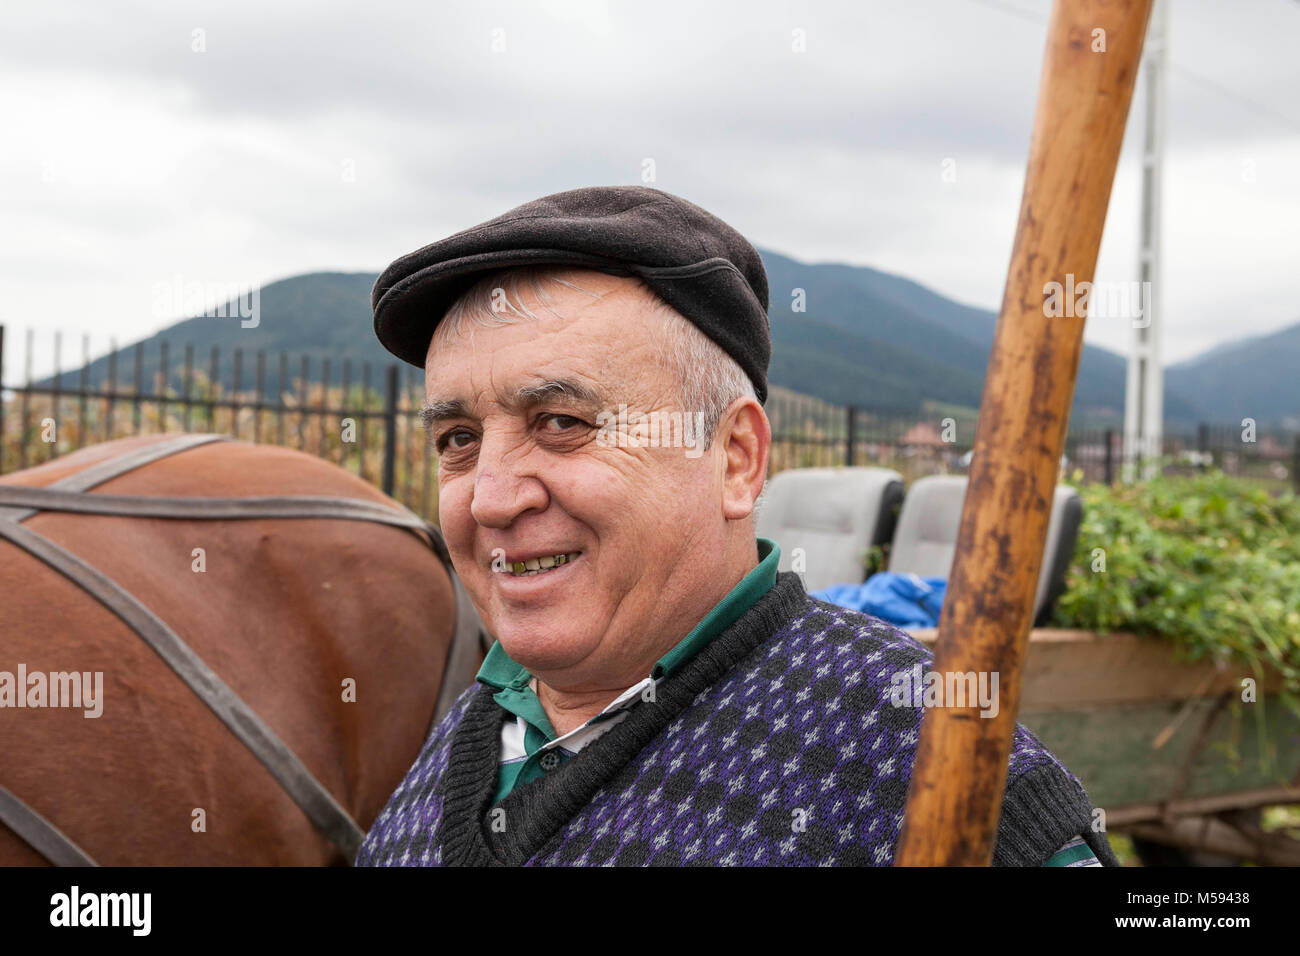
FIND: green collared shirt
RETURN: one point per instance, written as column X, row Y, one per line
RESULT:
column 529, row 745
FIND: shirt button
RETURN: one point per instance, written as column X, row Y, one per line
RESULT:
column 549, row 760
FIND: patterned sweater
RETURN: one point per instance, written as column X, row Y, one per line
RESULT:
column 777, row 744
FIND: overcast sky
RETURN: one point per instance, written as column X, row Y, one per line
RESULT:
column 313, row 136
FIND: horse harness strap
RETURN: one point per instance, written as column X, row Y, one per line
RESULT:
column 207, row 509
column 103, row 471
column 42, row 835
column 17, row 503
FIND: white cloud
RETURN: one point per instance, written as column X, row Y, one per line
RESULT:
column 130, row 158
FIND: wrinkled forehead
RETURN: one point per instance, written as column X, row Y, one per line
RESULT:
column 598, row 352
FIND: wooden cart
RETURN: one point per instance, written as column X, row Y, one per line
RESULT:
column 1167, row 749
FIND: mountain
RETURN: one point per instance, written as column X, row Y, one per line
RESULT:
column 866, row 337
column 322, row 314
column 318, row 316
column 910, row 343
column 1255, row 378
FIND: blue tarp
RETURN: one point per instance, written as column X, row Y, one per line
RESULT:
column 906, row 600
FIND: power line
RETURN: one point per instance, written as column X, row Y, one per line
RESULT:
column 1246, row 101
column 1013, row 10
column 1262, row 109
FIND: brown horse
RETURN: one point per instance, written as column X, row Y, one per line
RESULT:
column 334, row 631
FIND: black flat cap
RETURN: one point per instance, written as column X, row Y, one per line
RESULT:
column 690, row 258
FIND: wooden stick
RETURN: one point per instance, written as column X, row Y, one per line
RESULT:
column 1122, row 817
column 956, row 791
column 1212, row 835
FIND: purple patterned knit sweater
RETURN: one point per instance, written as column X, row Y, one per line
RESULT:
column 777, row 744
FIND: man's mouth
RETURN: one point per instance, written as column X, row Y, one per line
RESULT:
column 540, row 565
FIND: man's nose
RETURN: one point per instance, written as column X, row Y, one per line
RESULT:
column 504, row 487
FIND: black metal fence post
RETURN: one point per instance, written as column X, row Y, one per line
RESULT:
column 237, row 383
column 189, row 383
column 851, row 423
column 85, row 389
column 139, row 384
column 1110, row 456
column 56, row 397
column 281, row 391
column 390, row 431
column 164, row 372
column 112, row 391
column 365, row 417
column 1295, row 465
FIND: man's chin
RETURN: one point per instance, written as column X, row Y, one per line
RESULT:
column 549, row 650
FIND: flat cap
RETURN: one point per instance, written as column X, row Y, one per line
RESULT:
column 690, row 258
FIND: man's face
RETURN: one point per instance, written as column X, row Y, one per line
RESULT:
column 523, row 475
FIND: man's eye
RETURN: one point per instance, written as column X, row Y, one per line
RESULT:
column 559, row 423
column 455, row 439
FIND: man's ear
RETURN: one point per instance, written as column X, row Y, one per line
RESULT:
column 746, row 438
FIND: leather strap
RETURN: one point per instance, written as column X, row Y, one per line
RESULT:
column 42, row 835
column 206, row 509
column 102, row 471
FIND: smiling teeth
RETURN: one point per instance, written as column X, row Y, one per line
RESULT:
column 522, row 569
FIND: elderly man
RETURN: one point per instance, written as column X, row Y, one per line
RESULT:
column 595, row 365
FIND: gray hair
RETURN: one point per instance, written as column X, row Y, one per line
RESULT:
column 708, row 378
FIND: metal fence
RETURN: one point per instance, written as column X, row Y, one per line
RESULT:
column 364, row 419
column 367, row 420
column 807, row 432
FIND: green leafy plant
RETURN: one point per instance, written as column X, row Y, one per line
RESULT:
column 875, row 559
column 1208, row 561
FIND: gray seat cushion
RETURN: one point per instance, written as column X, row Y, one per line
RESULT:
column 825, row 520
column 926, row 536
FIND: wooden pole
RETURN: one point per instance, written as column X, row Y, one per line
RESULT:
column 1091, row 63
